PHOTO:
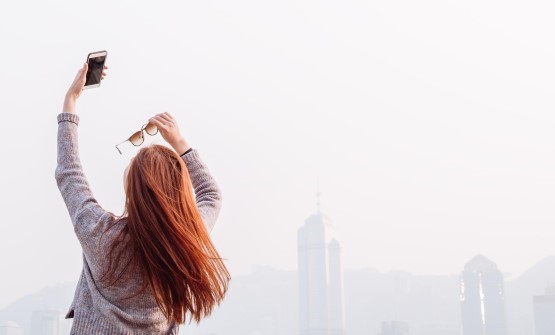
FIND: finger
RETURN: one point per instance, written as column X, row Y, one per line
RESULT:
column 157, row 123
column 163, row 120
column 80, row 72
column 165, row 117
column 105, row 67
column 170, row 116
column 84, row 70
column 160, row 120
column 168, row 123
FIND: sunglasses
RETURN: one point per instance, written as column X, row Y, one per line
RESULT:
column 137, row 138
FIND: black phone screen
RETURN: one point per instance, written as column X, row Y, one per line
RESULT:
column 96, row 65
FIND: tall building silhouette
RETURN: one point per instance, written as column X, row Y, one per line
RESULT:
column 320, row 279
column 47, row 322
column 482, row 298
column 10, row 328
column 395, row 328
column 544, row 312
column 335, row 297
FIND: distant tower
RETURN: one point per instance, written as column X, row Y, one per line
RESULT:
column 320, row 278
column 395, row 328
column 46, row 322
column 335, row 297
column 544, row 312
column 10, row 328
column 482, row 298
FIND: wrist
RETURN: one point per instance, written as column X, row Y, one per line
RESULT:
column 180, row 146
column 70, row 96
column 69, row 104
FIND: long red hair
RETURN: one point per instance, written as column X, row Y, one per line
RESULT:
column 170, row 242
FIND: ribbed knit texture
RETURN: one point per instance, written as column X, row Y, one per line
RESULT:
column 98, row 309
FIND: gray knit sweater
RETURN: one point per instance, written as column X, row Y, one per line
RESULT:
column 98, row 309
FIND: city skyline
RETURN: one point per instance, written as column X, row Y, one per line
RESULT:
column 407, row 127
column 481, row 291
column 397, row 298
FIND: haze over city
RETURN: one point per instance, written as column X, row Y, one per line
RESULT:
column 427, row 127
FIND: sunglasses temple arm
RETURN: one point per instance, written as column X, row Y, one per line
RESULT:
column 120, row 144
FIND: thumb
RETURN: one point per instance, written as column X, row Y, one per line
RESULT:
column 84, row 70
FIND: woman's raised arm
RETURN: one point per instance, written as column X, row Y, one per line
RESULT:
column 69, row 175
column 207, row 192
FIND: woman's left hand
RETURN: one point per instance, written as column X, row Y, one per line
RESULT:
column 169, row 130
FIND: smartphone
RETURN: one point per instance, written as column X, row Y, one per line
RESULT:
column 96, row 61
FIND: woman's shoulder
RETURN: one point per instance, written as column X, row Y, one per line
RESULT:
column 111, row 227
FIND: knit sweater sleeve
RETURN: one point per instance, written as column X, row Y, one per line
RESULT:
column 83, row 208
column 207, row 192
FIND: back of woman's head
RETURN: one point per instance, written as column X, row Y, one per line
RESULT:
column 170, row 242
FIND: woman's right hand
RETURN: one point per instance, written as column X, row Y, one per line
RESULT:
column 74, row 91
column 169, row 130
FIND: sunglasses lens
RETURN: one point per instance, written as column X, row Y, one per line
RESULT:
column 137, row 138
column 151, row 129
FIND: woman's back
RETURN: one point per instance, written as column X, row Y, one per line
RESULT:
column 115, row 309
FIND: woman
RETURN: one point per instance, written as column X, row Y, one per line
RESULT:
column 155, row 266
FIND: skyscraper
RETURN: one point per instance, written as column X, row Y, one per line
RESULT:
column 335, row 297
column 320, row 279
column 395, row 328
column 10, row 328
column 544, row 312
column 482, row 298
column 46, row 322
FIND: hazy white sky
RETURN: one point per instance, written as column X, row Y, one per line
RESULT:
column 429, row 125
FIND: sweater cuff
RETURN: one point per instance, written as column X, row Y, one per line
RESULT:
column 190, row 156
column 187, row 151
column 71, row 117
